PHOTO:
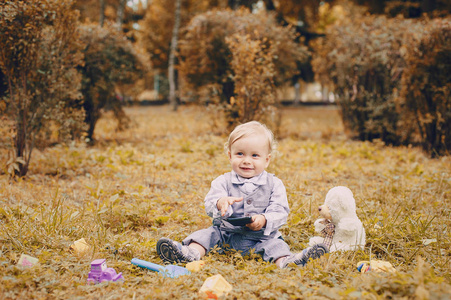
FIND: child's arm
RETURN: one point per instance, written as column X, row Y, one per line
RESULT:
column 218, row 190
column 276, row 213
column 218, row 203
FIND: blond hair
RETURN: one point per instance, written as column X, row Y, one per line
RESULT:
column 251, row 128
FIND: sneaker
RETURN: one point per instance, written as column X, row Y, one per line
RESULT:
column 174, row 252
column 300, row 259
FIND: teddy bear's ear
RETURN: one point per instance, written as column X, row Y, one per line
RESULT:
column 341, row 203
column 334, row 200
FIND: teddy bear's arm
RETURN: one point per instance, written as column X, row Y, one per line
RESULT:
column 315, row 240
column 348, row 226
column 319, row 226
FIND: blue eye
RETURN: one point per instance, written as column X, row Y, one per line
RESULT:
column 239, row 153
column 255, row 155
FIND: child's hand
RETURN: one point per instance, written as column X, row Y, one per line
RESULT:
column 224, row 203
column 258, row 221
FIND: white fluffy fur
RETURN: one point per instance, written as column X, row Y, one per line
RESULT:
column 349, row 231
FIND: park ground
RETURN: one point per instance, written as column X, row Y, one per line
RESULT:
column 132, row 187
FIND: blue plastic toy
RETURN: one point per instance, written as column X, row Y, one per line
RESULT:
column 171, row 271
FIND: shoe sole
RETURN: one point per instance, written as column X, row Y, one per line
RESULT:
column 315, row 252
column 169, row 252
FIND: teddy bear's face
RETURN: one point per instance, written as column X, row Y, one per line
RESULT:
column 341, row 203
column 324, row 212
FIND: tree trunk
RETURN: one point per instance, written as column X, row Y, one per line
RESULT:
column 156, row 84
column 377, row 6
column 171, row 63
column 22, row 134
column 297, row 94
column 102, row 13
column 428, row 5
column 20, row 144
column 120, row 13
column 91, row 116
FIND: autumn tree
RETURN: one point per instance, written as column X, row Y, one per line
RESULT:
column 155, row 36
column 157, row 26
column 95, row 10
column 426, row 85
column 110, row 60
column 302, row 13
column 120, row 12
column 254, row 70
column 390, row 79
column 39, row 52
column 157, row 30
column 362, row 62
column 206, row 56
column 409, row 9
column 102, row 12
column 173, row 49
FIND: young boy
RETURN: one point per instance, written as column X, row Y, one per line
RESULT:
column 247, row 191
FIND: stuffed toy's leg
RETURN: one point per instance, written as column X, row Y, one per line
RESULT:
column 316, row 240
column 326, row 238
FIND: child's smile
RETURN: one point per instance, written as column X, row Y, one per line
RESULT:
column 249, row 156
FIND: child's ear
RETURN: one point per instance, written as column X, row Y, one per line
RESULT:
column 229, row 155
column 268, row 159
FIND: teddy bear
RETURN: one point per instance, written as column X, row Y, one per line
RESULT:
column 339, row 213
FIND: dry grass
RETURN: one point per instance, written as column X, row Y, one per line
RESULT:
column 136, row 186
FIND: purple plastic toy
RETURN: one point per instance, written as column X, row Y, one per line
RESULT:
column 100, row 273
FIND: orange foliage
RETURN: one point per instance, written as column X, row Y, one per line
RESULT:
column 389, row 77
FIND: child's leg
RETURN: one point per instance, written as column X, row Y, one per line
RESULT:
column 279, row 261
column 199, row 248
column 194, row 247
column 173, row 252
column 303, row 257
column 278, row 251
column 273, row 249
column 205, row 239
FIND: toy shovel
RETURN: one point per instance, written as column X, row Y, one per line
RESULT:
column 171, row 271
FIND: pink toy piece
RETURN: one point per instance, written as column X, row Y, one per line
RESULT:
column 26, row 263
column 100, row 272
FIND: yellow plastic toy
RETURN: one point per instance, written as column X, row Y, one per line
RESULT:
column 80, row 246
column 375, row 265
column 195, row 266
column 214, row 287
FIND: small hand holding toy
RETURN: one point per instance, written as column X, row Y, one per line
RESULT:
column 258, row 221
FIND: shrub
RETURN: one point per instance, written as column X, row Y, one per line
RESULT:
column 211, row 58
column 110, row 60
column 253, row 77
column 362, row 61
column 38, row 56
column 392, row 79
column 426, row 85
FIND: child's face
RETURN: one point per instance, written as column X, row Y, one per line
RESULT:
column 249, row 156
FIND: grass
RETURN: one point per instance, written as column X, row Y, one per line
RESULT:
column 149, row 181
